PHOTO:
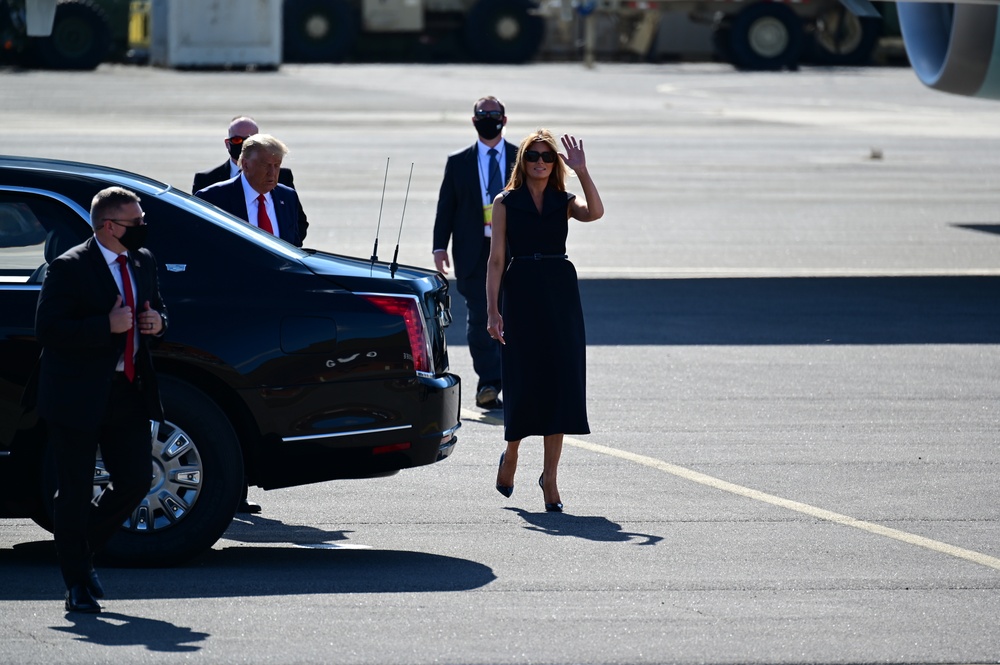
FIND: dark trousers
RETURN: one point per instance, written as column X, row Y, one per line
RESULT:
column 81, row 527
column 484, row 349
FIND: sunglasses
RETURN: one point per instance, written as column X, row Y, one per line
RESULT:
column 533, row 155
column 237, row 140
column 492, row 115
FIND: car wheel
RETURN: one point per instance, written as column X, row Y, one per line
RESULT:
column 197, row 482
column 319, row 30
column 80, row 39
column 766, row 36
column 503, row 31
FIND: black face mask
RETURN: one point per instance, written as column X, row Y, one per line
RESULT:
column 488, row 129
column 234, row 150
column 134, row 237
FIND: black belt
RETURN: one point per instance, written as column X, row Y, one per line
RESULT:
column 539, row 257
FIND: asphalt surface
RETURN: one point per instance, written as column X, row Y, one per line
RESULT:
column 792, row 309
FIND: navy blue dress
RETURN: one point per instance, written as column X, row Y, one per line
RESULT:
column 544, row 358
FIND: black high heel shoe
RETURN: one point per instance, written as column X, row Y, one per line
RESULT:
column 506, row 490
column 549, row 507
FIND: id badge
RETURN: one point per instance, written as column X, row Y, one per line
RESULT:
column 488, row 220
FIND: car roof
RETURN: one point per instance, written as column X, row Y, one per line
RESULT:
column 134, row 181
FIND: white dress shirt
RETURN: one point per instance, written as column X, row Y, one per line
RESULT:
column 251, row 194
column 112, row 260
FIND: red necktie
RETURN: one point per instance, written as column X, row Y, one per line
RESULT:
column 130, row 334
column 263, row 221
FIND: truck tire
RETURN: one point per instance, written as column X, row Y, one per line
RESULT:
column 319, row 30
column 80, row 39
column 842, row 39
column 503, row 31
column 766, row 36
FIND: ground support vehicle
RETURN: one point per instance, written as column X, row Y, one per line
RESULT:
column 752, row 35
column 84, row 34
column 497, row 31
column 281, row 366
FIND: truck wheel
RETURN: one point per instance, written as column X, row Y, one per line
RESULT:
column 841, row 38
column 80, row 39
column 319, row 30
column 766, row 36
column 503, row 31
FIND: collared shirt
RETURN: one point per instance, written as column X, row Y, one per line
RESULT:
column 251, row 194
column 484, row 174
column 234, row 170
column 112, row 260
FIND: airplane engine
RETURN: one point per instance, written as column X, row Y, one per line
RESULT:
column 953, row 47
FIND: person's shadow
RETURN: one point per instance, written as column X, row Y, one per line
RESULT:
column 592, row 527
column 117, row 630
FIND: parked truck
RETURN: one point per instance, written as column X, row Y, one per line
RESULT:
column 751, row 34
column 81, row 35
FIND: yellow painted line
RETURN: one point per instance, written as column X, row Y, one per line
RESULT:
column 764, row 497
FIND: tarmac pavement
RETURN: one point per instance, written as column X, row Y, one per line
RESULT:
column 792, row 311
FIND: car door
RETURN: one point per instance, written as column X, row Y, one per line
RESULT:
column 35, row 227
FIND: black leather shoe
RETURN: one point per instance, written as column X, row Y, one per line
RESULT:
column 94, row 585
column 249, row 507
column 487, row 398
column 79, row 599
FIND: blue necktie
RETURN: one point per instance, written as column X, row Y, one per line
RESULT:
column 494, row 185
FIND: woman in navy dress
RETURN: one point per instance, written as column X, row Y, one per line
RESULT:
column 540, row 322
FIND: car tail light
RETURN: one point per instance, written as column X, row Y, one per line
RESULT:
column 408, row 307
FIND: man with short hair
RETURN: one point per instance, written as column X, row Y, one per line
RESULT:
column 255, row 195
column 240, row 129
column 472, row 178
column 98, row 310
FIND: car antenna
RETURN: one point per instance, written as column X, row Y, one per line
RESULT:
column 378, row 227
column 394, row 266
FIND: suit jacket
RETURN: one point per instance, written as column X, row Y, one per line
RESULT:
column 79, row 351
column 460, row 207
column 204, row 179
column 229, row 196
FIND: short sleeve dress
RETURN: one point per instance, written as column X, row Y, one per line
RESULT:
column 544, row 358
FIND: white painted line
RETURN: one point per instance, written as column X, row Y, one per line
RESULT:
column 763, row 497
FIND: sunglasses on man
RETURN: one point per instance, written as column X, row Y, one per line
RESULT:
column 533, row 156
column 237, row 140
column 492, row 115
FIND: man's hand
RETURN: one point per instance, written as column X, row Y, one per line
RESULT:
column 120, row 317
column 441, row 261
column 150, row 321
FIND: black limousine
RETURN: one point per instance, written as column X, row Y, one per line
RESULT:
column 282, row 366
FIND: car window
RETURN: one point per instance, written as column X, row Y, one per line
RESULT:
column 33, row 231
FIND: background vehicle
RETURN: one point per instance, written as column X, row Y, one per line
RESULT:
column 758, row 35
column 84, row 34
column 284, row 365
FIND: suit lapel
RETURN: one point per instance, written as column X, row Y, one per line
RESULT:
column 238, row 200
column 282, row 210
column 102, row 272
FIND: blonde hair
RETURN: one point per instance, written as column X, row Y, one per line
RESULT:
column 557, row 179
column 262, row 143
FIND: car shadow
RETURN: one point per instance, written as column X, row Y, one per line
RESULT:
column 112, row 629
column 780, row 311
column 29, row 571
column 588, row 527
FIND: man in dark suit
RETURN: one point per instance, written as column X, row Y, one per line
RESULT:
column 240, row 129
column 472, row 178
column 99, row 307
column 254, row 195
